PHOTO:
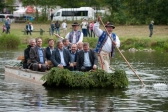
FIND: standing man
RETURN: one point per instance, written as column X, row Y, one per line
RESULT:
column 75, row 36
column 32, row 43
column 151, row 28
column 7, row 24
column 57, row 27
column 64, row 27
column 61, row 57
column 28, row 28
column 105, row 47
column 84, row 25
column 86, row 59
column 38, row 57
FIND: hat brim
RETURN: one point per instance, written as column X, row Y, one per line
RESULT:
column 110, row 26
column 75, row 24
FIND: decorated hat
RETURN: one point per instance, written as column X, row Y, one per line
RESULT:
column 75, row 24
column 110, row 24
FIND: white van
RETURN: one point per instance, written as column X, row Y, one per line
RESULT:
column 74, row 14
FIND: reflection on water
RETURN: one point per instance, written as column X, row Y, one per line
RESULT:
column 17, row 95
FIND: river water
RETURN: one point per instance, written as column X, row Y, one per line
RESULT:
column 152, row 67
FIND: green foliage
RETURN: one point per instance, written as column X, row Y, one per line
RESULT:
column 9, row 41
column 92, row 41
column 76, row 79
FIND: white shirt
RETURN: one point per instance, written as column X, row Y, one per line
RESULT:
column 74, row 37
column 87, row 62
column 108, row 44
column 62, row 57
column 32, row 27
column 64, row 25
column 84, row 25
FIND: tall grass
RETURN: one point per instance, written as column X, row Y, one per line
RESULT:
column 9, row 41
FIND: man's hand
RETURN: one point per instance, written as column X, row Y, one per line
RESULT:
column 71, row 64
column 39, row 66
column 46, row 63
column 60, row 66
column 94, row 67
column 98, row 18
column 114, row 43
column 56, row 35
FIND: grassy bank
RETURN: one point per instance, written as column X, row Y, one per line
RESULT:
column 130, row 36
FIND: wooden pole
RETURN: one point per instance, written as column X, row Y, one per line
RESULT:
column 121, row 53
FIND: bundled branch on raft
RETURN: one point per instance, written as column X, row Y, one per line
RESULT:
column 76, row 79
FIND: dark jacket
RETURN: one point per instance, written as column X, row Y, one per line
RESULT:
column 26, row 56
column 80, row 59
column 34, row 55
column 48, row 53
column 56, row 59
column 28, row 25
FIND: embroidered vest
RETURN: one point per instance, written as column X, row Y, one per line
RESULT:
column 78, row 34
column 102, row 39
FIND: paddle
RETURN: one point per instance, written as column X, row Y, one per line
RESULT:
column 99, row 18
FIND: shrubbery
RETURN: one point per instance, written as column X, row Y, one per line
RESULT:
column 9, row 41
column 98, row 79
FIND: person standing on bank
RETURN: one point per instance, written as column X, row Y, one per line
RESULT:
column 38, row 57
column 28, row 28
column 151, row 28
column 57, row 27
column 84, row 25
column 105, row 47
column 75, row 36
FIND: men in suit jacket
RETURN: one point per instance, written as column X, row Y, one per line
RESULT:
column 32, row 43
column 38, row 57
column 61, row 57
column 73, row 53
column 86, row 59
column 49, row 49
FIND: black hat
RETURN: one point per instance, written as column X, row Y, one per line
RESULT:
column 110, row 24
column 75, row 24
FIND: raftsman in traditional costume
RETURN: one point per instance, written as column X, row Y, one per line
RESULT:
column 104, row 46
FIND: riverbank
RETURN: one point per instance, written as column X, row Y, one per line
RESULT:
column 130, row 36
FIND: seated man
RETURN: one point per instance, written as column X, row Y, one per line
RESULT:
column 73, row 53
column 61, row 57
column 38, row 57
column 80, row 46
column 49, row 49
column 32, row 43
column 66, row 43
column 86, row 59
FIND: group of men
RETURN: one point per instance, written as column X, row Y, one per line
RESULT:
column 71, row 53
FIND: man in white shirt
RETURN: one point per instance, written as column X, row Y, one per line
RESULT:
column 105, row 47
column 64, row 27
column 75, row 36
column 84, row 25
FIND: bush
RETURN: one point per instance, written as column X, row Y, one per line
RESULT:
column 76, row 79
column 9, row 41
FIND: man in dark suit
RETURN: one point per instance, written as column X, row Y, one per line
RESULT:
column 86, row 59
column 73, row 53
column 32, row 43
column 61, row 57
column 49, row 49
column 28, row 28
column 38, row 57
